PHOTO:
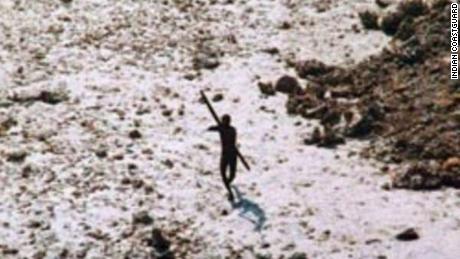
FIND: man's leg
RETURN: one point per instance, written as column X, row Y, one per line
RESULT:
column 232, row 162
column 223, row 167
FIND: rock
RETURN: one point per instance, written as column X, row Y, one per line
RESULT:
column 160, row 244
column 391, row 20
column 440, row 4
column 168, row 163
column 34, row 224
column 266, row 88
column 167, row 113
column 64, row 253
column 384, row 3
column 217, row 97
column 419, row 176
column 298, row 256
column 315, row 137
column 408, row 235
column 52, row 96
column 16, row 156
column 206, row 61
column 361, row 128
column 272, row 51
column 331, row 139
column 369, row 19
column 10, row 251
column 137, row 183
column 328, row 138
column 263, row 256
column 135, row 134
column 132, row 166
column 6, row 123
column 452, row 164
column 190, row 76
column 97, row 234
column 413, row 7
column 386, row 186
column 285, row 25
column 405, row 31
column 287, row 85
column 101, row 153
column 331, row 117
column 311, row 68
column 39, row 255
column 142, row 218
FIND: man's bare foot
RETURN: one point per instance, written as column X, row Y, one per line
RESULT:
column 230, row 197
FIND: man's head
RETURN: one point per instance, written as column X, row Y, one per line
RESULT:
column 226, row 119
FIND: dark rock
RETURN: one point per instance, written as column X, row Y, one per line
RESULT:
column 287, row 85
column 369, row 20
column 384, row 3
column 315, row 137
column 135, row 134
column 132, row 166
column 217, row 97
column 419, row 176
column 101, row 153
column 408, row 235
column 142, row 218
column 160, row 245
column 331, row 117
column 167, row 113
column 47, row 96
column 372, row 241
column 328, row 138
column 272, row 51
column 413, row 7
column 206, row 61
column 331, row 139
column 266, row 88
column 441, row 4
column 298, row 256
column 263, row 256
column 137, row 183
column 190, row 76
column 6, row 124
column 52, row 97
column 292, row 105
column 10, row 251
column 286, row 25
column 406, row 29
column 168, row 163
column 34, row 224
column 312, row 68
column 17, row 156
column 390, row 21
column 361, row 128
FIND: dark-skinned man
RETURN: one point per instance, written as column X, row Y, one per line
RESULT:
column 229, row 152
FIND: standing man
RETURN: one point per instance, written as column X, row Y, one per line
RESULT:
column 229, row 151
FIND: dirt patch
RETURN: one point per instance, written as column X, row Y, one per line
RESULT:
column 403, row 96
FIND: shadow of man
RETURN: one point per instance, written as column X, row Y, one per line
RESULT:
column 249, row 210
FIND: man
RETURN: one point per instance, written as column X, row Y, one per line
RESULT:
column 229, row 152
